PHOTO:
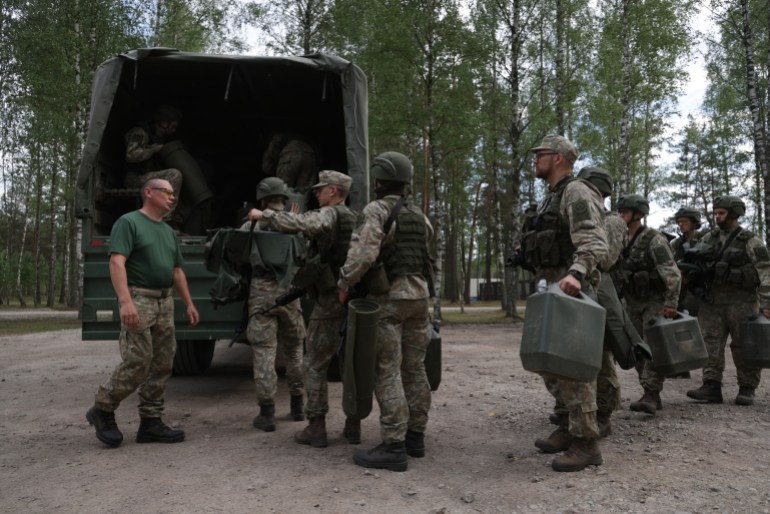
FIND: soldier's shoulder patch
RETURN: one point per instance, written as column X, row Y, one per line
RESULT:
column 761, row 253
column 580, row 211
column 661, row 255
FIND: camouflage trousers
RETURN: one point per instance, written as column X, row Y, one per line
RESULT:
column 181, row 210
column 323, row 337
column 401, row 385
column 641, row 313
column 262, row 333
column 607, row 387
column 716, row 323
column 147, row 353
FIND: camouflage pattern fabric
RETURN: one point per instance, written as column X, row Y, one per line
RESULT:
column 323, row 337
column 617, row 236
column 147, row 354
column 641, row 313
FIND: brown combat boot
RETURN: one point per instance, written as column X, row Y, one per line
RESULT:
column 558, row 441
column 352, row 430
column 581, row 453
column 649, row 403
column 314, row 434
column 605, row 427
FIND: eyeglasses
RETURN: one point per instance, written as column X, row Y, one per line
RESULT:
column 168, row 192
column 542, row 154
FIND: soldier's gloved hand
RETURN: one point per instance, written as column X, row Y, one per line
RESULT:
column 668, row 312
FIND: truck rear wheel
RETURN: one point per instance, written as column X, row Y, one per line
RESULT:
column 193, row 357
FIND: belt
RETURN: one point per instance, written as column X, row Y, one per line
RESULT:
column 151, row 293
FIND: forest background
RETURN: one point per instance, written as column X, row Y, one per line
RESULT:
column 464, row 87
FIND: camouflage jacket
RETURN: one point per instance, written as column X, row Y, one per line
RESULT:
column 365, row 246
column 617, row 235
column 650, row 272
column 680, row 245
column 139, row 145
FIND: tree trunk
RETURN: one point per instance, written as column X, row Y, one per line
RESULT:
column 623, row 143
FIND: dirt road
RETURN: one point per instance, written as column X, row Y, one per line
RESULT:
column 480, row 454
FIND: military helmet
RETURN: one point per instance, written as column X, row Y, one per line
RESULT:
column 272, row 186
column 731, row 203
column 634, row 202
column 599, row 177
column 688, row 212
column 392, row 167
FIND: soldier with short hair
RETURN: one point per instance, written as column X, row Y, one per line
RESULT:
column 402, row 261
column 570, row 223
column 264, row 328
column 650, row 288
column 737, row 286
column 328, row 229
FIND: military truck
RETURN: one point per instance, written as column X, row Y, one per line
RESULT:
column 232, row 107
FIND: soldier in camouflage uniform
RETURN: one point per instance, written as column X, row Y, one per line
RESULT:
column 607, row 383
column 402, row 262
column 737, row 286
column 567, row 244
column 145, row 264
column 328, row 229
column 263, row 329
column 290, row 158
column 650, row 284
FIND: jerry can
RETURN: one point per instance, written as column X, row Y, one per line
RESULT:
column 563, row 335
column 433, row 357
column 752, row 349
column 677, row 344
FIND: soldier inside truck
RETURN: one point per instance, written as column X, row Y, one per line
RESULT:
column 236, row 127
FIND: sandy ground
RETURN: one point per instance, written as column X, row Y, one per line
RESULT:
column 480, row 454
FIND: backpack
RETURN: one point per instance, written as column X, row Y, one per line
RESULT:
column 227, row 255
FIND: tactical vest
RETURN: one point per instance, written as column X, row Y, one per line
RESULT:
column 734, row 266
column 639, row 271
column 548, row 243
column 408, row 254
column 334, row 252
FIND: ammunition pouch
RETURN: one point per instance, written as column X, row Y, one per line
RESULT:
column 376, row 279
column 360, row 357
column 548, row 248
column 315, row 277
column 721, row 273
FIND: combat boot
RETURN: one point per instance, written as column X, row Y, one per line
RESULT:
column 649, row 403
column 314, row 434
column 745, row 396
column 153, row 430
column 352, row 430
column 415, row 443
column 391, row 456
column 558, row 441
column 581, row 453
column 710, row 391
column 266, row 419
column 560, row 419
column 605, row 427
column 106, row 429
column 296, row 408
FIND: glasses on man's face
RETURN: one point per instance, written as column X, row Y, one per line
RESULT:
column 538, row 156
column 168, row 192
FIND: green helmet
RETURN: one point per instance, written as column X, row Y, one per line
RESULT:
column 600, row 178
column 688, row 212
column 731, row 203
column 634, row 202
column 392, row 167
column 272, row 186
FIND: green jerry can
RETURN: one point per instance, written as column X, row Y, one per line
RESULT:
column 563, row 335
column 360, row 359
column 433, row 357
column 677, row 344
column 752, row 349
column 194, row 184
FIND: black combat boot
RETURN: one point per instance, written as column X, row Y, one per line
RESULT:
column 106, row 429
column 391, row 456
column 745, row 396
column 581, row 453
column 296, row 408
column 314, row 434
column 352, row 430
column 415, row 443
column 710, row 391
column 266, row 419
column 605, row 427
column 560, row 419
column 153, row 430
column 558, row 441
column 649, row 403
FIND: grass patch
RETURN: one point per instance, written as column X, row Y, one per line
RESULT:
column 30, row 326
column 474, row 317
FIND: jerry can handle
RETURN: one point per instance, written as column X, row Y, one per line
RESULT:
column 553, row 287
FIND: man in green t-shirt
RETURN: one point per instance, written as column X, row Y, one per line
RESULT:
column 145, row 264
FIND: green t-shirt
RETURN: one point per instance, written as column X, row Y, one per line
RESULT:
column 151, row 249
